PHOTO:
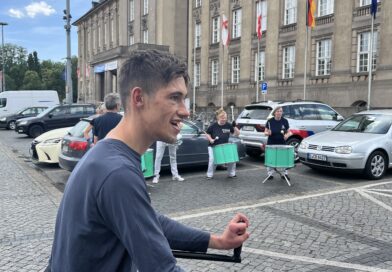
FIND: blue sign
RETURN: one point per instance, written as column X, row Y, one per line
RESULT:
column 264, row 87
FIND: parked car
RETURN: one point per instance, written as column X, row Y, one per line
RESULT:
column 9, row 121
column 305, row 118
column 46, row 147
column 192, row 149
column 361, row 143
column 54, row 117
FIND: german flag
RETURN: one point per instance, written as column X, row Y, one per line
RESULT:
column 310, row 9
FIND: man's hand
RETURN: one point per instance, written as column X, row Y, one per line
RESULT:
column 234, row 234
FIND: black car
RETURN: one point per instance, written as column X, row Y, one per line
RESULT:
column 55, row 117
column 9, row 121
column 192, row 148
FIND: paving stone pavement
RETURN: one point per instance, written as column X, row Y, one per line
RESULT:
column 336, row 229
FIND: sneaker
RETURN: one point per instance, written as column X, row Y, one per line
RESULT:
column 178, row 178
column 287, row 177
column 155, row 180
column 209, row 177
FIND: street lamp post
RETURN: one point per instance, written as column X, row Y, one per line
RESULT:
column 68, row 86
column 2, row 57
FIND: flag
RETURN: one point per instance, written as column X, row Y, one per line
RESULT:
column 258, row 28
column 225, row 30
column 310, row 8
column 373, row 9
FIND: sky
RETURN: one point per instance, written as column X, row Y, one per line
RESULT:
column 39, row 26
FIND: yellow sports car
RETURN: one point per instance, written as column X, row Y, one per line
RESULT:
column 46, row 147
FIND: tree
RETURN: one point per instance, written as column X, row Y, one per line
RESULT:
column 33, row 63
column 32, row 81
column 52, row 77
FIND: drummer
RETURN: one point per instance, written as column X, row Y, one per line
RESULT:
column 219, row 133
column 277, row 130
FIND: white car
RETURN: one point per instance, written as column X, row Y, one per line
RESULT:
column 46, row 148
column 361, row 143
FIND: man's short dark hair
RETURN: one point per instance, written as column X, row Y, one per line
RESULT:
column 149, row 70
column 112, row 100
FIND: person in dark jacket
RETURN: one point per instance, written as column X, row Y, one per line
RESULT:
column 109, row 120
column 105, row 220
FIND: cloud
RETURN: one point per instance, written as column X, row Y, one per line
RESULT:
column 49, row 30
column 16, row 13
column 39, row 8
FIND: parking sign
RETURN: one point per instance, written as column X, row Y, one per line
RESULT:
column 264, row 87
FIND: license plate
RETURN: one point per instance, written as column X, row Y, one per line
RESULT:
column 318, row 157
column 248, row 128
column 20, row 130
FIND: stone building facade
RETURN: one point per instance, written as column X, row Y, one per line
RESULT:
column 337, row 55
column 111, row 29
column 337, row 52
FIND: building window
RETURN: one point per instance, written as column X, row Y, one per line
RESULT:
column 214, row 72
column 105, row 34
column 364, row 51
column 261, row 8
column 197, row 3
column 366, row 2
column 215, row 29
column 197, row 74
column 288, row 62
column 259, row 66
column 197, row 35
column 131, row 10
column 290, row 12
column 236, row 24
column 325, row 7
column 235, row 69
column 145, row 7
column 95, row 38
column 112, row 30
column 145, row 36
column 323, row 58
column 131, row 39
column 99, row 36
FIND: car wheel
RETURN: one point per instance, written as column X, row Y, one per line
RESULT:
column 253, row 153
column 35, row 131
column 376, row 165
column 294, row 142
column 11, row 125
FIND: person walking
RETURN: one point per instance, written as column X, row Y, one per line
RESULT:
column 105, row 221
column 109, row 120
column 160, row 150
column 277, row 130
column 219, row 133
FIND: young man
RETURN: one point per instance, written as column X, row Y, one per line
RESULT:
column 105, row 220
column 105, row 123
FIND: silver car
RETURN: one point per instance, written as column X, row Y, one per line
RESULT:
column 361, row 143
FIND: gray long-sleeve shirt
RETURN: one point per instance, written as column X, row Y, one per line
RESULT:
column 106, row 222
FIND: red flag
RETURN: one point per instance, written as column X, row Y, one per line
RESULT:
column 259, row 31
column 225, row 30
column 310, row 8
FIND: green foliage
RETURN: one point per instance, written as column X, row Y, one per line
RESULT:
column 26, row 72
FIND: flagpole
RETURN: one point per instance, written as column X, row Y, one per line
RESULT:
column 257, row 72
column 306, row 52
column 194, row 83
column 223, row 56
column 370, row 64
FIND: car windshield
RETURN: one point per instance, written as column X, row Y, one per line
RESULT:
column 255, row 113
column 43, row 113
column 78, row 129
column 366, row 123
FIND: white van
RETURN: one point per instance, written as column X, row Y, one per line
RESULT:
column 12, row 101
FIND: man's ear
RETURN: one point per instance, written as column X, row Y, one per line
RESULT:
column 137, row 96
